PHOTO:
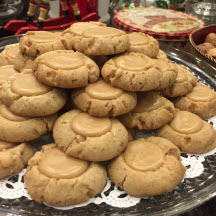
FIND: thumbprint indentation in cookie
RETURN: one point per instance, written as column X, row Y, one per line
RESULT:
column 144, row 156
column 28, row 85
column 56, row 164
column 64, row 61
column 186, row 123
column 42, row 37
column 101, row 32
column 79, row 27
column 103, row 90
column 201, row 93
column 148, row 102
column 87, row 125
column 133, row 63
column 7, row 114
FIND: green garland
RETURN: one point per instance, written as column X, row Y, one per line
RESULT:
column 172, row 3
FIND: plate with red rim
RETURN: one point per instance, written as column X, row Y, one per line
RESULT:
column 162, row 24
column 198, row 36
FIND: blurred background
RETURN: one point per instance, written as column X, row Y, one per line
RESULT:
column 17, row 9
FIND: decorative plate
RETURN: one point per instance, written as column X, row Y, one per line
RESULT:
column 163, row 24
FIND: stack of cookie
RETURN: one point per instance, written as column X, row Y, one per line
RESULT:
column 28, row 108
column 82, row 140
column 119, row 82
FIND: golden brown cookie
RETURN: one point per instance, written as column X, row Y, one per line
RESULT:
column 13, row 157
column 205, row 47
column 65, row 69
column 76, row 29
column 89, row 138
column 16, row 128
column 169, row 72
column 189, row 133
column 35, row 43
column 132, row 72
column 143, row 43
column 23, row 61
column 212, row 52
column 101, row 99
column 5, row 72
column 98, row 41
column 161, row 55
column 152, row 111
column 147, row 167
column 8, row 55
column 60, row 180
column 183, row 84
column 211, row 38
column 200, row 101
column 24, row 95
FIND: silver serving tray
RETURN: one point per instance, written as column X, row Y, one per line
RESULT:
column 189, row 194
